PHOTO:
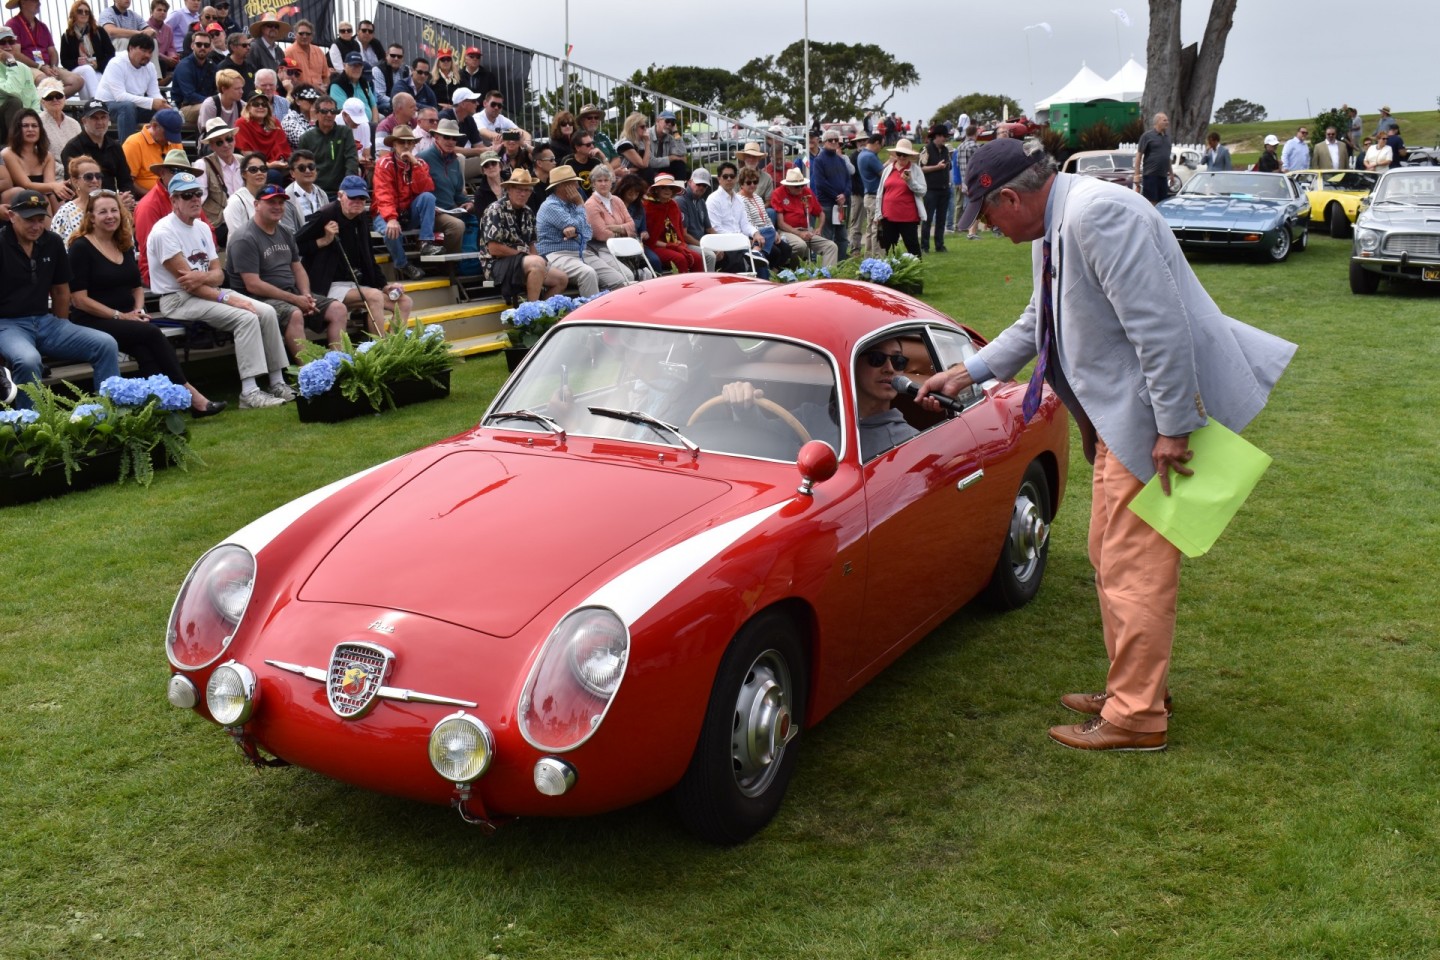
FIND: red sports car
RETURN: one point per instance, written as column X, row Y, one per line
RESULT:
column 697, row 519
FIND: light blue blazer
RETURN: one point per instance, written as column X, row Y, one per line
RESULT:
column 1144, row 348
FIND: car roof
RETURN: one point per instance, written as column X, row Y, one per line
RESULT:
column 833, row 314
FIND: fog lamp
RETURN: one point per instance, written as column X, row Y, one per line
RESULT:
column 230, row 694
column 461, row 748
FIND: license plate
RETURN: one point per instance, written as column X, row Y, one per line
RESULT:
column 1430, row 273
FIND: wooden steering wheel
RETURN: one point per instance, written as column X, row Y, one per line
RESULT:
column 784, row 415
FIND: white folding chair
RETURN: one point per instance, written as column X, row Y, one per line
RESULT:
column 629, row 251
column 723, row 243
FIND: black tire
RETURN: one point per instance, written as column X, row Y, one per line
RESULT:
column 1303, row 243
column 1363, row 281
column 746, row 753
column 1339, row 224
column 1021, row 565
column 1279, row 251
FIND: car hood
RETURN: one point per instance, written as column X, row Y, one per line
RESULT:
column 1402, row 217
column 1222, row 212
column 487, row 540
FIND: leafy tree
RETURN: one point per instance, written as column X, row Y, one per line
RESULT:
column 1240, row 111
column 709, row 87
column 1180, row 81
column 1334, row 117
column 553, row 101
column 983, row 108
column 846, row 79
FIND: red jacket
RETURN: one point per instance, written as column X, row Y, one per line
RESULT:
column 251, row 137
column 663, row 222
column 398, row 184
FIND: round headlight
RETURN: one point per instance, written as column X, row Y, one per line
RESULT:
column 209, row 607
column 230, row 694
column 1368, row 239
column 598, row 648
column 181, row 692
column 461, row 748
column 230, row 584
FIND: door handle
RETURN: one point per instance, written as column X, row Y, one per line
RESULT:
column 970, row 481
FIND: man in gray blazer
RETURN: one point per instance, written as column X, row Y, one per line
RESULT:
column 1217, row 155
column 1141, row 356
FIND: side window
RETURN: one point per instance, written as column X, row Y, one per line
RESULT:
column 952, row 347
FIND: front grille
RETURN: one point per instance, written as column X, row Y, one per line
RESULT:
column 360, row 667
column 1415, row 244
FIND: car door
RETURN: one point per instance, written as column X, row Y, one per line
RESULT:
column 928, row 503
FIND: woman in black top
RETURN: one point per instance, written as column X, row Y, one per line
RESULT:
column 85, row 44
column 106, row 294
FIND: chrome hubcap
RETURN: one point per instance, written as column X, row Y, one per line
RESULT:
column 1028, row 533
column 763, row 723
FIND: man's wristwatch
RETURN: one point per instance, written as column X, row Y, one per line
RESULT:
column 116, row 315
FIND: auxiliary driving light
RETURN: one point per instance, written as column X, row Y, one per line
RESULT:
column 181, row 692
column 461, row 748
column 230, row 694
column 553, row 776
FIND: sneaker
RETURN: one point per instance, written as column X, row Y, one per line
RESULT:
column 282, row 392
column 257, row 398
column 431, row 249
column 411, row 272
column 1097, row 733
column 7, row 386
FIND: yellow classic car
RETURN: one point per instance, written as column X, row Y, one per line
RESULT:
column 1335, row 195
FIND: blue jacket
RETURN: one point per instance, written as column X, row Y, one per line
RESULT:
column 870, row 166
column 449, row 176
column 829, row 177
column 194, row 81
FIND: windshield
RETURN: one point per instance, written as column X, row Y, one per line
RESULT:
column 1104, row 162
column 1406, row 187
column 667, row 387
column 1349, row 180
column 1266, row 186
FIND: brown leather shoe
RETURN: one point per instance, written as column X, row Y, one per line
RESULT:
column 1097, row 733
column 1090, row 703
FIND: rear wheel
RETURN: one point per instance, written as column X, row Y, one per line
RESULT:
column 1362, row 280
column 746, row 753
column 1339, row 223
column 1021, row 566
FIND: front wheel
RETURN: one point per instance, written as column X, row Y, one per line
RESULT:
column 1279, row 249
column 1361, row 280
column 1021, row 565
column 746, row 753
column 1338, row 222
column 1303, row 243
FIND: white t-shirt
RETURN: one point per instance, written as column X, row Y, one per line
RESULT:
column 169, row 237
column 239, row 209
column 501, row 124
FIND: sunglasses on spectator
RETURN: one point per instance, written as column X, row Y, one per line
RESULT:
column 201, row 46
column 396, row 56
column 347, row 29
column 102, row 192
column 304, row 167
column 7, row 42
column 587, row 143
column 306, row 33
column 253, row 169
column 327, row 111
column 367, row 29
column 229, row 139
column 496, row 103
column 185, row 195
column 877, row 358
column 92, row 177
column 727, row 176
column 421, row 73
column 245, row 43
column 53, row 96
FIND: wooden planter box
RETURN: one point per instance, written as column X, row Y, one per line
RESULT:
column 332, row 407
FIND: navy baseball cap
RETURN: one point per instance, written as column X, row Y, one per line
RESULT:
column 170, row 121
column 352, row 57
column 993, row 165
column 353, row 186
column 30, row 204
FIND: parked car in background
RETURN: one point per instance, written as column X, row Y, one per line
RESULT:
column 1118, row 166
column 1239, row 211
column 1335, row 196
column 1397, row 235
column 621, row 582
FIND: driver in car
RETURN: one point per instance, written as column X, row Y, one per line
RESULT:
column 881, row 425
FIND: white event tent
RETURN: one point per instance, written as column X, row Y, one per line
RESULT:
column 1127, row 85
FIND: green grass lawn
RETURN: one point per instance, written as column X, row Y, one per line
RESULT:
column 1294, row 816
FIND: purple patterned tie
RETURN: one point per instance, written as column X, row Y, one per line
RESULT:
column 1047, row 323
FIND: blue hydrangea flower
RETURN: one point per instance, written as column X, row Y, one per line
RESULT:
column 825, row 272
column 547, row 310
column 527, row 313
column 508, row 317
column 336, row 357
column 126, row 391
column 561, row 304
column 434, row 332
column 598, row 295
column 87, row 411
column 19, row 418
column 316, row 377
column 173, row 397
column 367, row 346
column 786, row 276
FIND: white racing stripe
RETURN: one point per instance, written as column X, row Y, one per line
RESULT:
column 634, row 592
column 256, row 534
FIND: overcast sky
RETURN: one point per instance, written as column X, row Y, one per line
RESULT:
column 1293, row 58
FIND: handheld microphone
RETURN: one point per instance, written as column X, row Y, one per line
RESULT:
column 910, row 388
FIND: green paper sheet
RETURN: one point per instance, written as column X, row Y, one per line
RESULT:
column 1199, row 508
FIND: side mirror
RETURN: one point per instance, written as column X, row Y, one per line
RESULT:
column 817, row 463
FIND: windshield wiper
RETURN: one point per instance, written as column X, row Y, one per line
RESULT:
column 654, row 423
column 531, row 416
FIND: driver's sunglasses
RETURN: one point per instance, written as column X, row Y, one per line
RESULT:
column 877, row 358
